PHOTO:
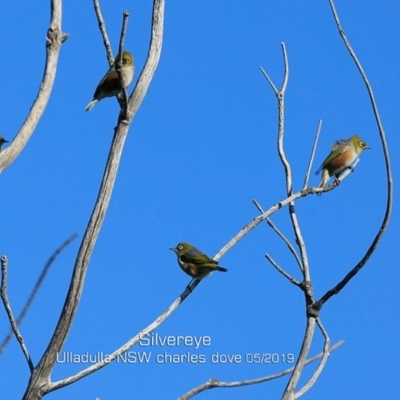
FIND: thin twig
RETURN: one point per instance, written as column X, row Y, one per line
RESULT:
column 17, row 333
column 103, row 31
column 213, row 383
column 269, row 81
column 314, row 148
column 286, row 240
column 300, row 242
column 280, row 234
column 125, row 17
column 321, row 365
column 282, row 271
column 286, row 65
column 281, row 123
column 389, row 204
column 36, row 288
column 118, row 65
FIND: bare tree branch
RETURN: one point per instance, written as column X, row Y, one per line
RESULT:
column 55, row 37
column 321, row 365
column 39, row 383
column 153, row 57
column 125, row 17
column 36, row 289
column 17, row 333
column 282, row 271
column 298, row 369
column 103, row 31
column 389, row 203
column 283, row 237
column 280, row 234
column 123, row 98
column 281, row 123
column 269, row 81
column 213, row 383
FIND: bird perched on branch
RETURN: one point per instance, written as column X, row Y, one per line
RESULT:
column 194, row 262
column 110, row 85
column 2, row 141
column 342, row 156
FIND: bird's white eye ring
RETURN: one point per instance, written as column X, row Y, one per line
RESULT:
column 362, row 144
column 180, row 247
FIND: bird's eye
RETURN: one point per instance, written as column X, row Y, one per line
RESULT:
column 180, row 247
column 362, row 144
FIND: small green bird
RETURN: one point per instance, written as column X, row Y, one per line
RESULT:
column 194, row 262
column 343, row 154
column 110, row 85
column 2, row 141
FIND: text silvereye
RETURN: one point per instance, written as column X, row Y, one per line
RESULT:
column 2, row 141
column 194, row 262
column 110, row 85
column 343, row 154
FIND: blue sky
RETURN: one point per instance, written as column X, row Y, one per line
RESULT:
column 201, row 147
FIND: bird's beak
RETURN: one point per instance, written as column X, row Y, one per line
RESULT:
column 173, row 248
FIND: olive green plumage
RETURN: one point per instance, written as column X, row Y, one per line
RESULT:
column 195, row 263
column 343, row 154
column 110, row 85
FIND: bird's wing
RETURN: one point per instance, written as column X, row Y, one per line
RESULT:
column 109, row 83
column 197, row 257
column 338, row 148
column 339, row 143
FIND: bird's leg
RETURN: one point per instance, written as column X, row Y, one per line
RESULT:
column 188, row 286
